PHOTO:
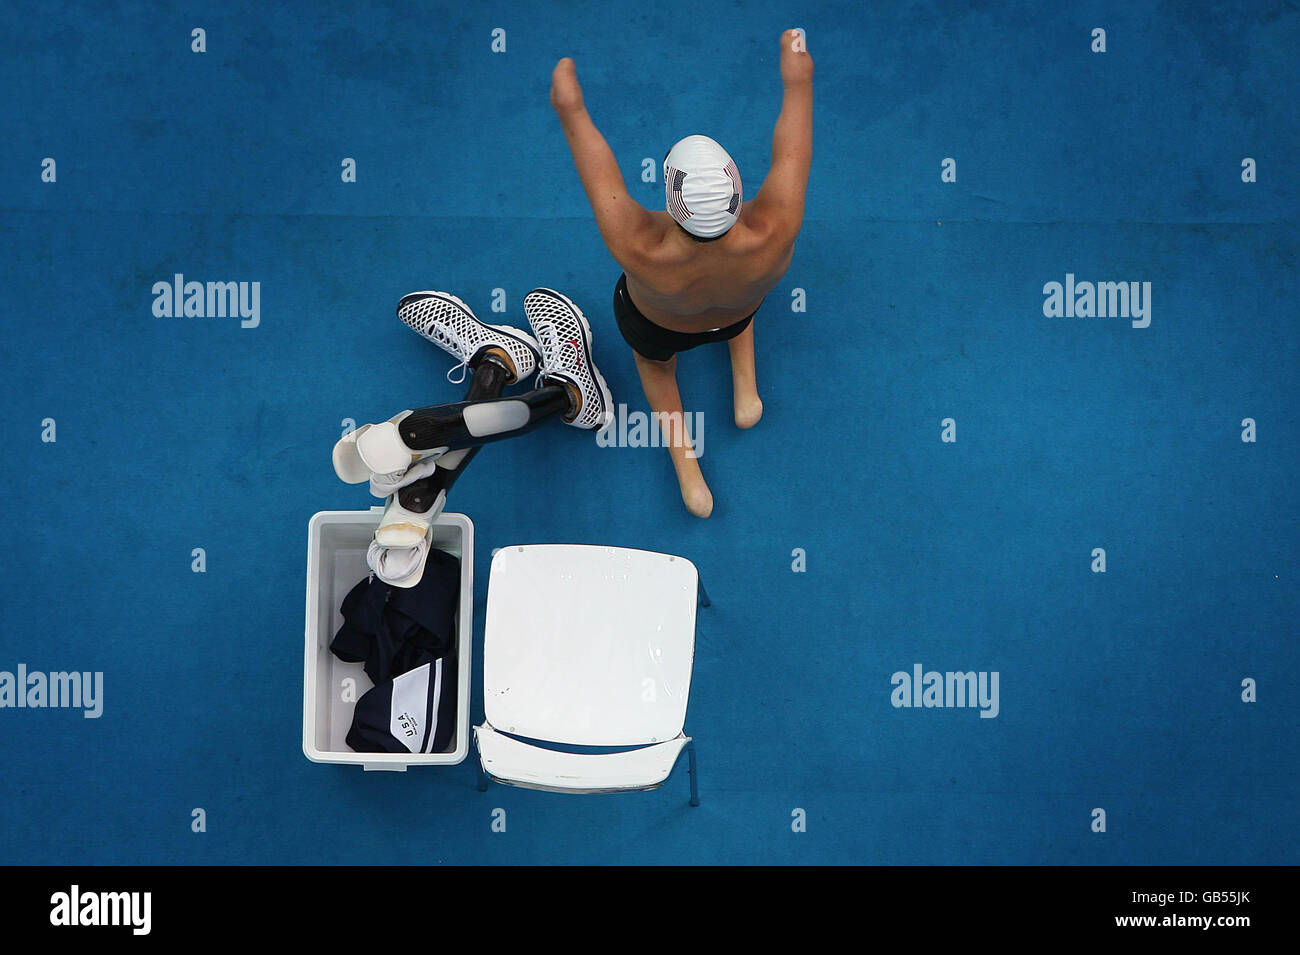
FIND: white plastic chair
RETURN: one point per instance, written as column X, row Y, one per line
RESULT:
column 587, row 647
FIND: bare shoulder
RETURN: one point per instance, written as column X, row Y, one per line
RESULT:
column 645, row 246
column 773, row 225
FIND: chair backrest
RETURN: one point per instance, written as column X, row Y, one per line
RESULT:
column 589, row 645
column 510, row 761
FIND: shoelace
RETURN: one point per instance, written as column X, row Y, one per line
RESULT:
column 443, row 337
column 546, row 339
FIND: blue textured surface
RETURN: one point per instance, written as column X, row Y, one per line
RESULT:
column 1119, row 691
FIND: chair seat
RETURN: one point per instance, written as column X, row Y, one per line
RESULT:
column 589, row 645
column 511, row 761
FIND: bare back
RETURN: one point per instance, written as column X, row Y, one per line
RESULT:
column 690, row 286
column 676, row 282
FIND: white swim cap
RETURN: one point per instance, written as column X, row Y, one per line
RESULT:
column 702, row 187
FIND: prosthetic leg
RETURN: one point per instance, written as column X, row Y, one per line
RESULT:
column 422, row 453
column 451, row 435
column 413, row 459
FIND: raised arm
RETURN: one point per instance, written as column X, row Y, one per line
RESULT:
column 619, row 217
column 781, row 197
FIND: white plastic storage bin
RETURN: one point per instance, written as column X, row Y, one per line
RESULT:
column 336, row 561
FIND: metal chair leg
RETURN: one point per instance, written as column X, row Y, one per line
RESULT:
column 704, row 594
column 691, row 771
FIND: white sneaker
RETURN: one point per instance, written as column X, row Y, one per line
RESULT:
column 449, row 323
column 565, row 338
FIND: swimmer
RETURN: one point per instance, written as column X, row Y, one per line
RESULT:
column 696, row 272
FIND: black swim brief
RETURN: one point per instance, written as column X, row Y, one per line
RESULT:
column 656, row 342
